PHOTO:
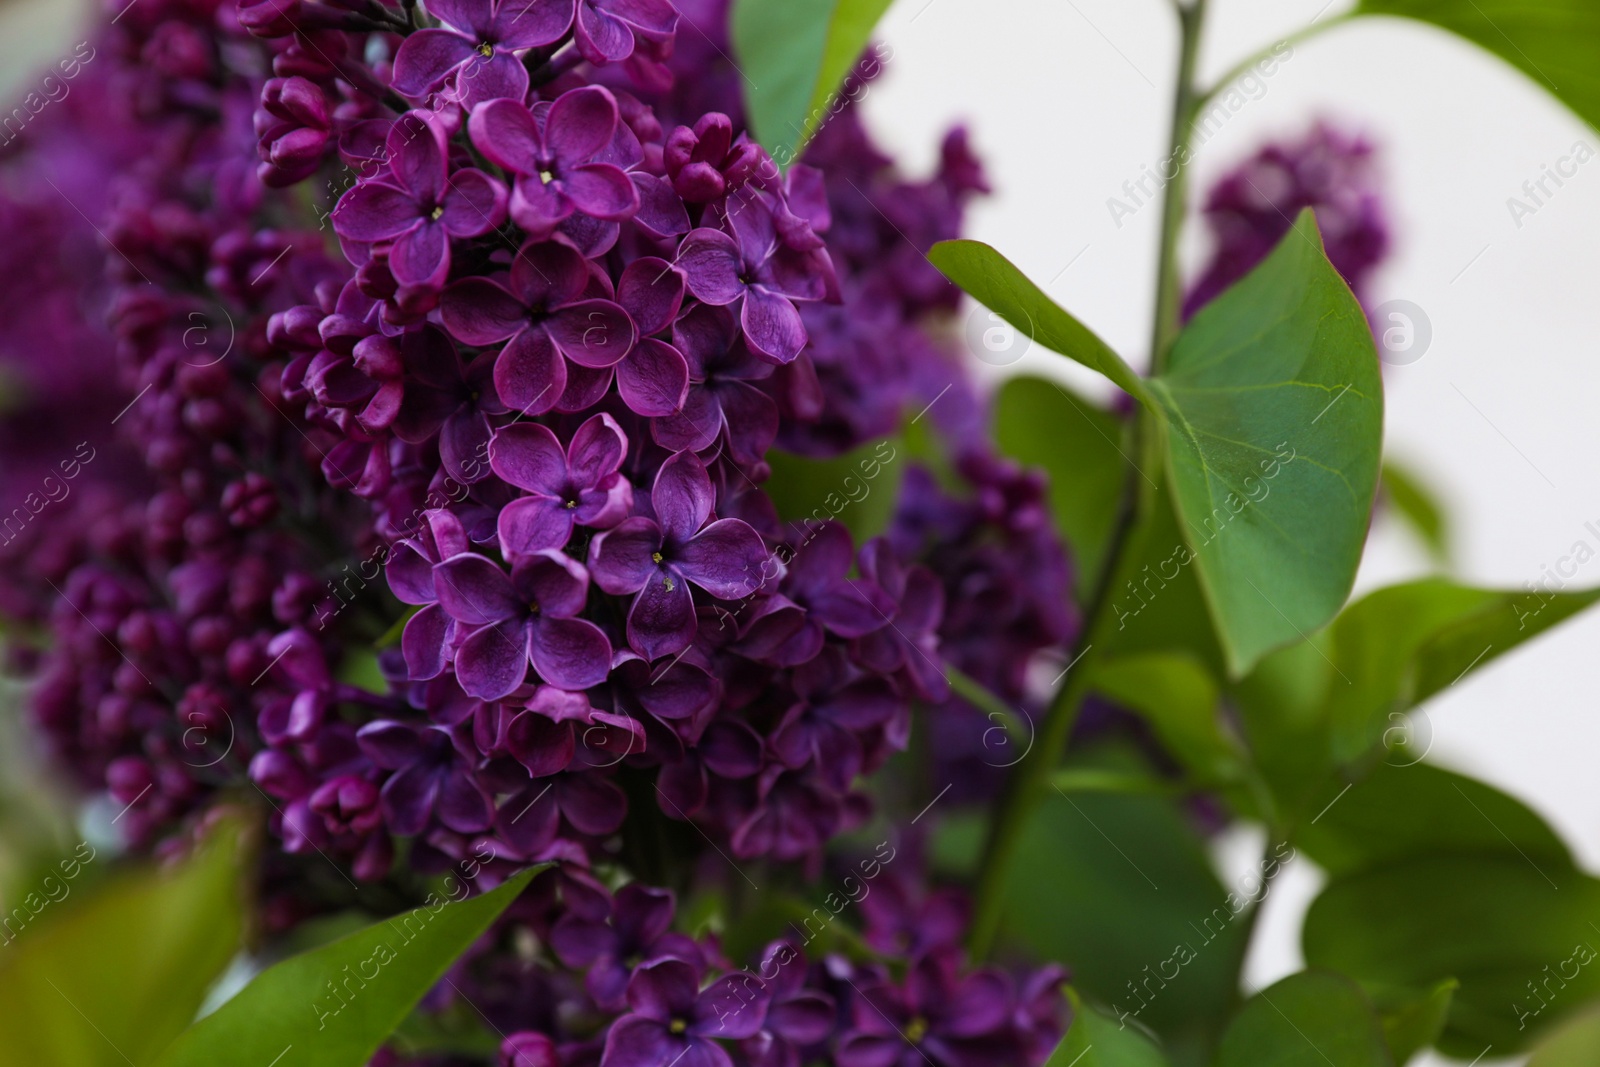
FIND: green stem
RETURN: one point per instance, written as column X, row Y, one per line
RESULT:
column 1185, row 105
column 1031, row 777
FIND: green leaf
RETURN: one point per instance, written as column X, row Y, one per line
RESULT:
column 859, row 488
column 1412, row 1020
column 1401, row 812
column 1096, row 1039
column 110, row 977
column 797, row 53
column 1417, row 505
column 1576, row 1044
column 1042, row 424
column 1274, row 411
column 1122, row 889
column 1517, row 932
column 1309, row 1019
column 1095, row 780
column 995, row 282
column 1178, row 697
column 335, row 1005
column 1326, row 702
column 1554, row 42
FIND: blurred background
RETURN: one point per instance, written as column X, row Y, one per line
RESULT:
column 1069, row 99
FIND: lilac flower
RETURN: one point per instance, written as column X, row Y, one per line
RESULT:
column 673, row 1020
column 836, row 705
column 909, row 647
column 1251, row 209
column 818, row 597
column 638, row 932
column 552, row 149
column 938, row 1017
column 793, row 817
column 659, row 558
column 410, row 572
column 423, row 207
column 532, row 819
column 478, row 47
column 545, row 319
column 576, row 485
column 433, row 777
column 531, row 615
column 721, row 400
column 654, row 379
column 706, row 163
column 609, row 30
column 443, row 397
column 754, row 267
column 797, row 1017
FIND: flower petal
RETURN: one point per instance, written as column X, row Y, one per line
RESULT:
column 422, row 256
column 593, row 333
column 426, row 58
column 504, row 131
column 772, row 325
column 581, row 123
column 375, row 211
column 654, row 379
column 620, row 559
column 522, row 24
column 493, row 660
column 530, row 374
column 727, row 559
column 499, row 77
column 473, row 204
column 710, row 262
column 534, row 524
column 661, row 621
column 474, row 590
column 530, row 456
column 571, row 654
column 651, row 292
column 477, row 311
column 597, row 449
column 682, row 496
column 601, row 191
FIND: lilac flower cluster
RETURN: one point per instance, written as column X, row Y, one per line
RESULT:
column 572, row 309
column 1251, row 209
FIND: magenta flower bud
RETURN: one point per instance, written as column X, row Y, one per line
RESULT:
column 528, row 1049
column 251, row 501
column 129, row 778
column 270, row 18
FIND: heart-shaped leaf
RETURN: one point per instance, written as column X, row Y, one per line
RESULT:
column 335, row 1005
column 799, row 51
column 1554, row 42
column 1309, row 1019
column 1274, row 411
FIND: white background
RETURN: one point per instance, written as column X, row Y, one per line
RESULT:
column 1068, row 99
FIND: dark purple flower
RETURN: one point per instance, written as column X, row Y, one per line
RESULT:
column 529, row 1049
column 1251, row 209
column 433, row 777
column 552, row 149
column 480, row 46
column 530, row 615
column 675, row 1021
column 937, row 1017
column 443, row 397
column 545, row 320
column 721, row 400
column 410, row 572
column 659, row 558
column 422, row 207
column 706, row 163
column 637, row 932
column 836, row 704
column 755, row 267
column 576, row 485
column 654, row 380
column 817, row 597
column 797, row 1017
column 587, row 802
column 608, row 29
column 794, row 816
column 909, row 646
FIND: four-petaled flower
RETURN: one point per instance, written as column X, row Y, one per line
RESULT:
column 422, row 207
column 551, row 149
column 659, row 558
column 673, row 1019
column 547, row 319
column 578, row 484
column 478, row 44
column 530, row 615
